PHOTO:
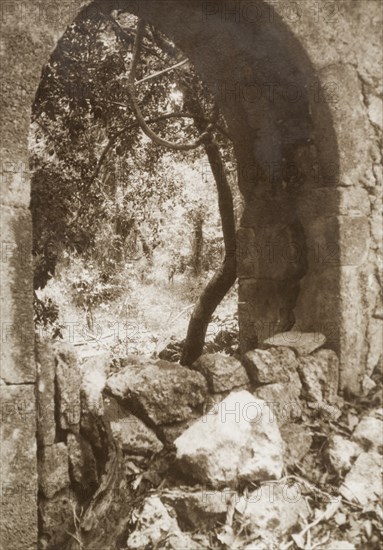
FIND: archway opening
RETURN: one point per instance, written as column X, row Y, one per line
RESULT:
column 105, row 196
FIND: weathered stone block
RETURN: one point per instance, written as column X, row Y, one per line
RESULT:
column 165, row 392
column 363, row 482
column 53, row 469
column 282, row 400
column 222, row 372
column 46, row 424
column 18, row 472
column 17, row 360
column 277, row 364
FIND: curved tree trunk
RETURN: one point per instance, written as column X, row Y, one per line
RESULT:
column 225, row 277
column 197, row 248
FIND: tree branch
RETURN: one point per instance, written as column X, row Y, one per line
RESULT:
column 131, row 126
column 164, row 71
column 140, row 118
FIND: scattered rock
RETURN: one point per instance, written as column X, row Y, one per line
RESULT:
column 235, row 441
column 369, row 434
column 164, row 392
column 303, row 343
column 273, row 508
column 342, row 453
column 282, row 400
column 53, row 469
column 156, row 528
column 197, row 510
column 68, row 382
column 298, row 440
column 363, row 482
column 135, row 437
column 271, row 366
column 222, row 372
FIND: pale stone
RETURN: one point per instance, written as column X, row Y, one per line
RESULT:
column 153, row 523
column 275, row 508
column 237, row 440
column 375, row 111
column 369, row 434
column 363, row 482
column 342, row 452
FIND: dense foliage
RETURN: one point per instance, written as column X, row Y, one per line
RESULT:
column 103, row 194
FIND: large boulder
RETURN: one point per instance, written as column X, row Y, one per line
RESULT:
column 222, row 372
column 162, row 392
column 237, row 440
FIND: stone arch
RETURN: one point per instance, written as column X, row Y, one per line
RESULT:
column 301, row 101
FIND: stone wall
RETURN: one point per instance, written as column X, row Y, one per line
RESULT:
column 298, row 89
column 110, row 434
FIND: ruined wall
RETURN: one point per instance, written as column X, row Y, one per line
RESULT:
column 298, row 83
column 29, row 32
column 321, row 228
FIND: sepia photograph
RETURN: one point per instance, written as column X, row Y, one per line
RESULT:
column 191, row 275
